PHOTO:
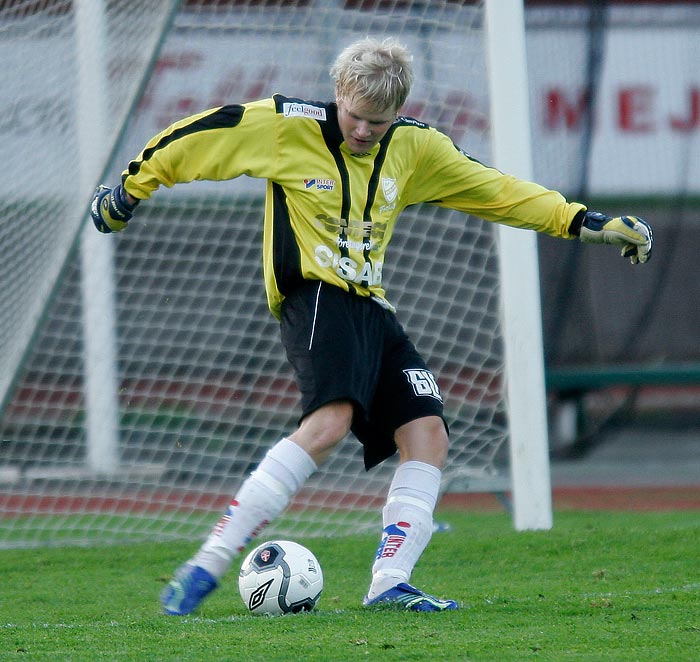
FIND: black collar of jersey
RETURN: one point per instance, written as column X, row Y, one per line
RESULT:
column 331, row 129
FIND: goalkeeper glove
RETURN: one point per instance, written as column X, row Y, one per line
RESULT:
column 110, row 209
column 631, row 232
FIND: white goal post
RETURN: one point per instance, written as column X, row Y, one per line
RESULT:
column 520, row 284
column 178, row 350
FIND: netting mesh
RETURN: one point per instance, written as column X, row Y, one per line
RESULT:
column 204, row 386
column 41, row 202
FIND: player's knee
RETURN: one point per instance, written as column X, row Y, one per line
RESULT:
column 324, row 428
column 424, row 439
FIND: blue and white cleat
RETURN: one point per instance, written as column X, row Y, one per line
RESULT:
column 405, row 596
column 190, row 585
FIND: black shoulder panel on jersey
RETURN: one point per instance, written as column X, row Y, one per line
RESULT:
column 328, row 122
column 280, row 100
column 225, row 117
column 331, row 128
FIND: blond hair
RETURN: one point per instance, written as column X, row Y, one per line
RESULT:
column 377, row 73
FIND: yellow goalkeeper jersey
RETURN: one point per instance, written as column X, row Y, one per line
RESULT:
column 330, row 213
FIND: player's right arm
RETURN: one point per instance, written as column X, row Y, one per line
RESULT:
column 218, row 144
column 112, row 209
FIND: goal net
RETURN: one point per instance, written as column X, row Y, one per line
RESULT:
column 203, row 388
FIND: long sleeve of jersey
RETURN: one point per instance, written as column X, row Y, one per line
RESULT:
column 218, row 144
column 450, row 178
column 330, row 213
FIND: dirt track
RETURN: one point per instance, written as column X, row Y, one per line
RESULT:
column 653, row 499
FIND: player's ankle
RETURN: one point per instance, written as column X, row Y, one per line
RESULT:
column 383, row 582
column 213, row 563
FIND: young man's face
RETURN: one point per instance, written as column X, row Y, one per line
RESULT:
column 362, row 127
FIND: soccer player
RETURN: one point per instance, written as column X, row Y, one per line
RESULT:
column 338, row 176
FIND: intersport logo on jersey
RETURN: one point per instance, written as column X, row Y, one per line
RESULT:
column 320, row 183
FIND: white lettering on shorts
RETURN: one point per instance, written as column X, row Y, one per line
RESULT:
column 423, row 383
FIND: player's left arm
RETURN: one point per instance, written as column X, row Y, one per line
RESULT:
column 461, row 182
column 631, row 233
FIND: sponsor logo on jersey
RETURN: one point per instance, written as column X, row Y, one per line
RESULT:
column 352, row 235
column 295, row 109
column 393, row 537
column 412, row 121
column 354, row 245
column 320, row 183
column 354, row 228
column 365, row 273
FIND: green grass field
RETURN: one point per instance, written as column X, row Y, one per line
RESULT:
column 598, row 586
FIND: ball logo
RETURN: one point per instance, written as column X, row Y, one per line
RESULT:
column 265, row 555
column 257, row 597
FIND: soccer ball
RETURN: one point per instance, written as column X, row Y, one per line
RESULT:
column 280, row 577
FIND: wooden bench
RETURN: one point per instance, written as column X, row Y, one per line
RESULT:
column 569, row 385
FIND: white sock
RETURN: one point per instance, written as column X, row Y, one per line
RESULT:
column 408, row 524
column 261, row 498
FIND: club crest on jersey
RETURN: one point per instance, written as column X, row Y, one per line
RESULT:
column 295, row 109
column 393, row 538
column 391, row 192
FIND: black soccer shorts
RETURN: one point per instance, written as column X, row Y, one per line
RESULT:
column 346, row 347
